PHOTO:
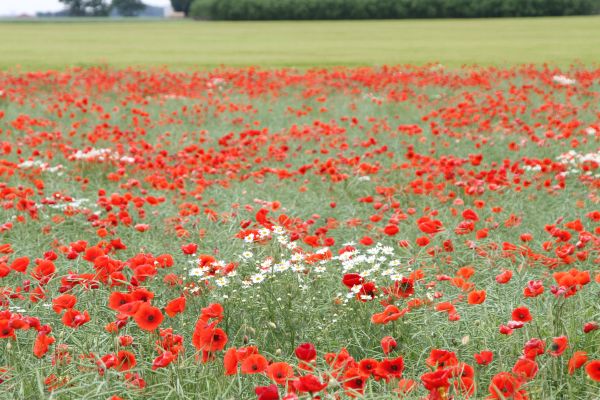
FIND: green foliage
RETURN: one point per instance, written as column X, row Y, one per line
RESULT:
column 87, row 8
column 128, row 8
column 181, row 5
column 385, row 9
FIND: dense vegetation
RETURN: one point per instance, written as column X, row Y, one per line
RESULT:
column 386, row 9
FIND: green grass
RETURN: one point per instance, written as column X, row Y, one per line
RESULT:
column 191, row 44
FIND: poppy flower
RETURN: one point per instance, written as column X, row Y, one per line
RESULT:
column 230, row 361
column 213, row 311
column 440, row 358
column 504, row 277
column 306, row 352
column 504, row 386
column 389, row 314
column 476, row 297
column 354, row 382
column 388, row 344
column 74, row 318
column 368, row 366
column 63, row 302
column 351, row 280
column 309, row 384
column 117, row 299
column 590, row 327
column 280, row 372
column 148, row 317
column 484, row 357
column 593, row 370
column 533, row 348
column 391, row 230
column 210, row 339
column 391, row 368
column 125, row 360
column 20, row 264
column 163, row 360
column 559, row 345
column 42, row 344
column 267, row 392
column 175, row 306
column 436, row 380
column 577, row 360
column 521, row 314
column 525, row 368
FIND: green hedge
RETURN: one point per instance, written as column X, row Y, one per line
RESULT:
column 386, row 9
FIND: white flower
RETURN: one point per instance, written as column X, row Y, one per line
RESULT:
column 257, row 278
column 296, row 257
column 281, row 267
column 563, row 80
column 223, row 281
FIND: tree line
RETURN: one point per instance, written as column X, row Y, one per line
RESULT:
column 343, row 9
column 385, row 9
column 102, row 8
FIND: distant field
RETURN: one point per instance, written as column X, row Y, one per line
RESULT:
column 184, row 44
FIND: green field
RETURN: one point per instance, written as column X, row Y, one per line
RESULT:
column 184, row 44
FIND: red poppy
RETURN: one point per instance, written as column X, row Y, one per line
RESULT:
column 436, row 380
column 230, row 361
column 117, row 299
column 210, row 339
column 163, row 360
column 63, row 302
column 484, row 357
column 368, row 366
column 148, row 317
column 476, row 297
column 504, row 277
column 391, row 368
column 525, row 368
column 280, row 372
column 42, row 344
column 504, row 386
column 440, row 358
column 306, row 352
column 309, row 384
column 74, row 318
column 559, row 345
column 521, row 314
column 267, row 392
column 590, row 327
column 255, row 364
column 577, row 360
column 533, row 348
column 593, row 370
column 20, row 264
column 388, row 344
column 175, row 306
column 389, row 314
column 354, row 382
column 125, row 360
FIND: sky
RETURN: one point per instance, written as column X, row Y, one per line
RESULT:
column 16, row 7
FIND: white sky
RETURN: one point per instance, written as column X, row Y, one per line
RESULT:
column 16, row 7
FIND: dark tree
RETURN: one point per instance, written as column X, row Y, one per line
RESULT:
column 128, row 8
column 87, row 8
column 182, row 6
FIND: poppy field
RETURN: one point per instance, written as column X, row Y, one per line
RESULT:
column 246, row 233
